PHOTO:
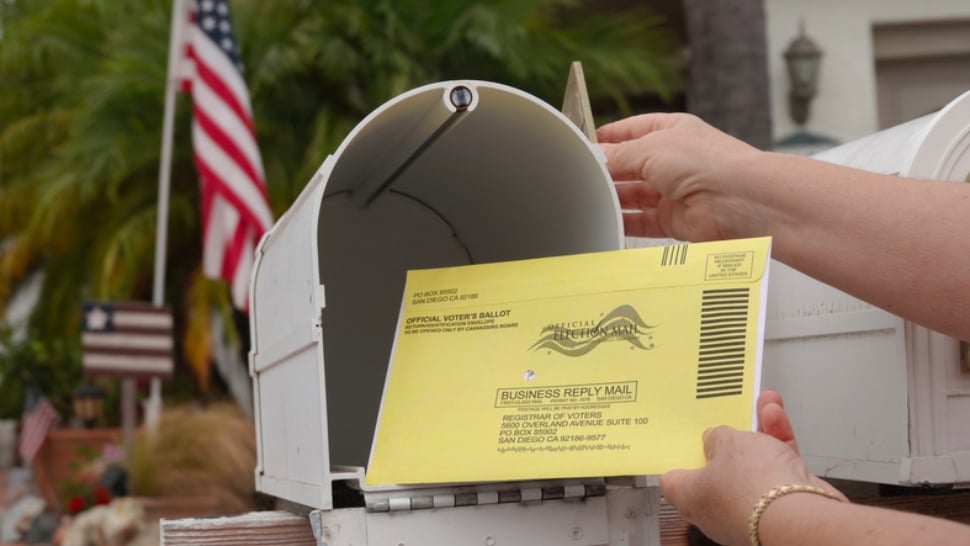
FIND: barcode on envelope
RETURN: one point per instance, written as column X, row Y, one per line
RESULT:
column 721, row 354
column 674, row 255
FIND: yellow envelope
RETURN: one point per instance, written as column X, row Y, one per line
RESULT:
column 603, row 364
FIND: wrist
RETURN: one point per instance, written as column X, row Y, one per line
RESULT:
column 740, row 189
column 764, row 196
column 779, row 510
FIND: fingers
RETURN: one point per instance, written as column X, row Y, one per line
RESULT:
column 773, row 421
column 625, row 160
column 639, row 224
column 768, row 396
column 640, row 214
column 635, row 127
column 675, row 487
column 636, row 195
column 713, row 439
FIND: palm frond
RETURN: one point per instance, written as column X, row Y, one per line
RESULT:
column 129, row 249
column 80, row 123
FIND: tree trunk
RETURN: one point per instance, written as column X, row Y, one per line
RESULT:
column 728, row 77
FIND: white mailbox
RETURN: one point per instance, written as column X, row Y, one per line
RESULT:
column 874, row 397
column 448, row 174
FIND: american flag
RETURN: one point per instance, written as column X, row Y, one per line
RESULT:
column 235, row 209
column 37, row 422
column 126, row 339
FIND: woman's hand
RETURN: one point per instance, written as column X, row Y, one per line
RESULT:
column 741, row 467
column 672, row 173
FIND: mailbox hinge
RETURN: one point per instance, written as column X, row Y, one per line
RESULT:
column 478, row 498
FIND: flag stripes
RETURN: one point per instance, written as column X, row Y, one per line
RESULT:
column 37, row 422
column 235, row 207
column 126, row 338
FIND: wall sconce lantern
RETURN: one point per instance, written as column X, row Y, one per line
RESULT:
column 803, row 58
column 88, row 403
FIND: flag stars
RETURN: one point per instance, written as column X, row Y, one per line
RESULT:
column 213, row 20
column 231, row 235
column 96, row 319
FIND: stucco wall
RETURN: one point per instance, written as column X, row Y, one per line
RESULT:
column 845, row 107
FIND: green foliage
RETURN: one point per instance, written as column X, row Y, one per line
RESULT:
column 52, row 365
column 81, row 100
column 348, row 57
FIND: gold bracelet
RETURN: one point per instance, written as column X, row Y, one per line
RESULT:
column 773, row 494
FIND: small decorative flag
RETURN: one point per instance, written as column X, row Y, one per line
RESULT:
column 37, row 422
column 126, row 339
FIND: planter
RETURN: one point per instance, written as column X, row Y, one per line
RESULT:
column 157, row 508
column 61, row 455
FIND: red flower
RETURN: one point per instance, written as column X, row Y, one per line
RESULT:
column 101, row 495
column 75, row 505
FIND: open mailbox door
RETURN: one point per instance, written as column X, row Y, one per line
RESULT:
column 873, row 397
column 451, row 173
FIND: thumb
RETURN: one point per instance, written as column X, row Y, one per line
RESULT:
column 675, row 486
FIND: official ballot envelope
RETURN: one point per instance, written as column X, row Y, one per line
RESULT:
column 602, row 364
